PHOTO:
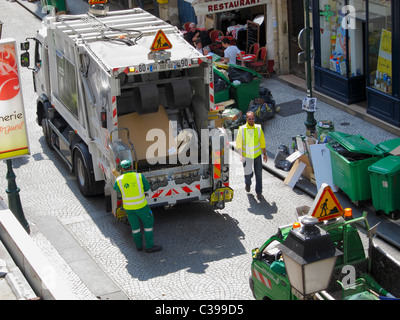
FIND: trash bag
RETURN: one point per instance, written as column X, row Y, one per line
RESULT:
column 241, row 75
column 267, row 96
column 262, row 111
column 280, row 161
column 219, row 83
column 232, row 118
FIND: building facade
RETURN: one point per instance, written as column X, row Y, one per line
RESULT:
column 356, row 49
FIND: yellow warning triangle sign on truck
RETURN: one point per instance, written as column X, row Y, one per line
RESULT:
column 326, row 206
column 160, row 42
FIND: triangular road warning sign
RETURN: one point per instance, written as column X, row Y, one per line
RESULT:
column 326, row 206
column 160, row 42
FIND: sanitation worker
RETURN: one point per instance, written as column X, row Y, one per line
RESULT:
column 133, row 186
column 250, row 144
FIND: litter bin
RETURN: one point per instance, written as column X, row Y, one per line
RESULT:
column 323, row 129
column 351, row 155
column 385, row 185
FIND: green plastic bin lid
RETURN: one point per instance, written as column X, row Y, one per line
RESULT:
column 388, row 166
column 356, row 143
column 389, row 145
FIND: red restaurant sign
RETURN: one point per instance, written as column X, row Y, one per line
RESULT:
column 221, row 6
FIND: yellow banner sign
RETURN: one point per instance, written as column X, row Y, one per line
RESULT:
column 13, row 130
column 385, row 53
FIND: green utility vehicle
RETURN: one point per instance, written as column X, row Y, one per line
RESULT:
column 269, row 279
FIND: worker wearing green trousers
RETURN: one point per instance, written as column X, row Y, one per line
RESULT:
column 133, row 186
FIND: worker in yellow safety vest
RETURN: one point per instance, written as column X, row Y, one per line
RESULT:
column 133, row 186
column 250, row 143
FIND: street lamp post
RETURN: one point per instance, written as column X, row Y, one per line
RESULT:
column 310, row 122
column 14, row 201
column 310, row 257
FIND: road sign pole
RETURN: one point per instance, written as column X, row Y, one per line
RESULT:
column 14, row 201
column 310, row 122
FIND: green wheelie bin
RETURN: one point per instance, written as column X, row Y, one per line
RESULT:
column 351, row 155
column 243, row 93
column 385, row 185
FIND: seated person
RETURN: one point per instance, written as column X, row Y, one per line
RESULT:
column 199, row 46
column 194, row 34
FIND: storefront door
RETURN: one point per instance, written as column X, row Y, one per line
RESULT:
column 295, row 24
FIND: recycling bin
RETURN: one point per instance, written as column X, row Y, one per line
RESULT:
column 244, row 92
column 351, row 155
column 385, row 185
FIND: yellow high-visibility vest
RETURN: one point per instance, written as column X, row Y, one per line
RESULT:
column 251, row 147
column 132, row 191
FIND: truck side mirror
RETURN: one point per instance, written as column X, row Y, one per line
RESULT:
column 25, row 59
column 25, row 46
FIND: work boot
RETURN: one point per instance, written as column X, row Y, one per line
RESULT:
column 247, row 188
column 154, row 249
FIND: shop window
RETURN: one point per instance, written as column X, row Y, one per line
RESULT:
column 380, row 45
column 342, row 34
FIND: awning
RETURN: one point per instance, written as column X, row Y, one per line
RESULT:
column 224, row 5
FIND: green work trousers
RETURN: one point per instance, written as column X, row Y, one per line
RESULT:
column 144, row 215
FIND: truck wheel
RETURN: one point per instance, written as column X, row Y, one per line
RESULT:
column 84, row 177
column 81, row 173
column 47, row 132
column 251, row 283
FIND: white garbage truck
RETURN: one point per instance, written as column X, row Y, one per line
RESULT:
column 126, row 85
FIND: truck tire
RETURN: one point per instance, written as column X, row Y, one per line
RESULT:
column 84, row 175
column 47, row 132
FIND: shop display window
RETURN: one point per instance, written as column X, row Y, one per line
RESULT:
column 342, row 25
column 380, row 45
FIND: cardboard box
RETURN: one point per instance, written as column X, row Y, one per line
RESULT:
column 139, row 127
column 308, row 170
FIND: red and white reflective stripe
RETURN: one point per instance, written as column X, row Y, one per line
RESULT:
column 212, row 92
column 266, row 282
column 174, row 191
column 114, row 110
